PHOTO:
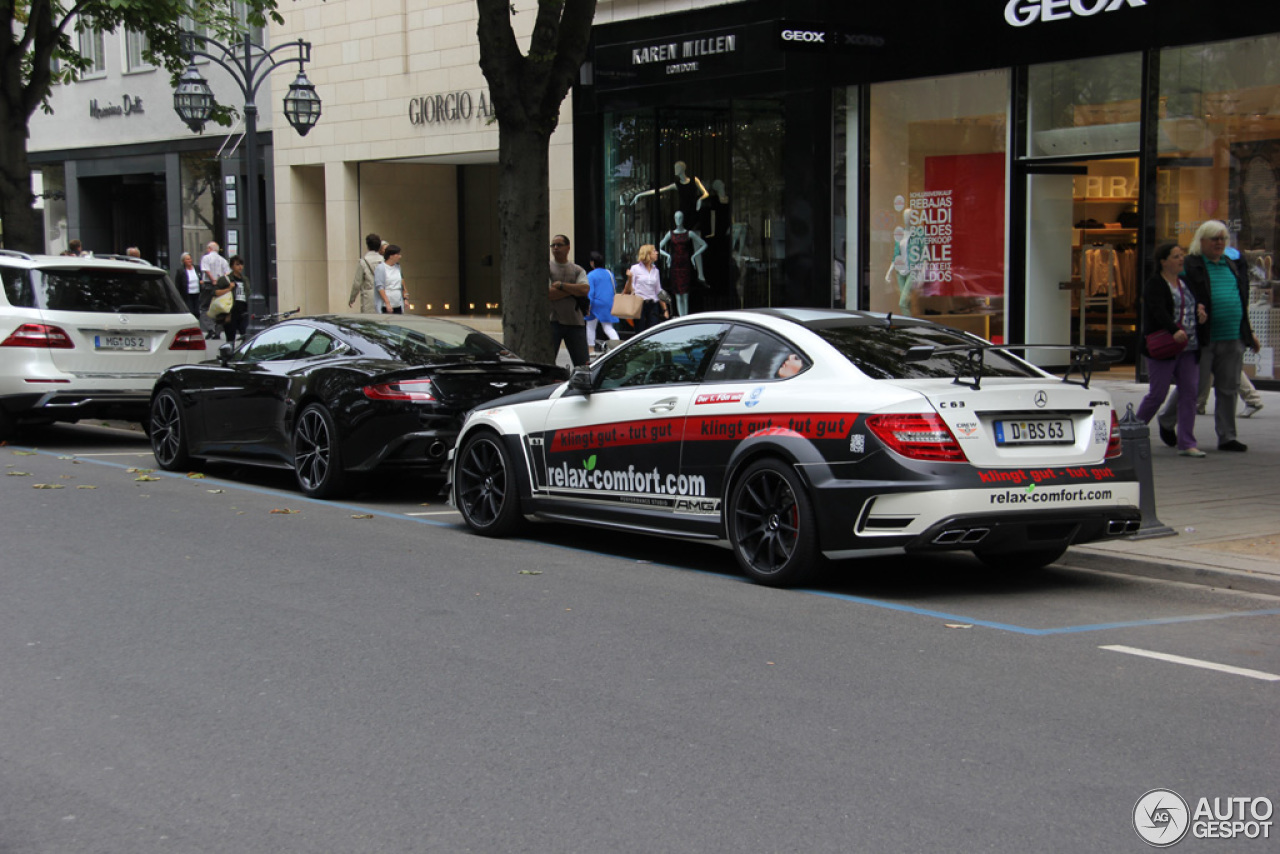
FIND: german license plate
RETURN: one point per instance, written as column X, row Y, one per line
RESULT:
column 1035, row 431
column 121, row 342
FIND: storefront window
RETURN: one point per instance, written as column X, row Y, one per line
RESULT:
column 937, row 199
column 1085, row 107
column 1220, row 159
column 704, row 185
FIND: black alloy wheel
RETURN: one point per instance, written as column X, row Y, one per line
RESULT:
column 168, row 432
column 1028, row 560
column 317, row 461
column 771, row 524
column 485, row 486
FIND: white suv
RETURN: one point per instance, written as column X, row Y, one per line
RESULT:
column 86, row 337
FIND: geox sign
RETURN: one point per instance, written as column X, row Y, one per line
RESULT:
column 1021, row 13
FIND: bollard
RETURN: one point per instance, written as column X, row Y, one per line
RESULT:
column 1135, row 439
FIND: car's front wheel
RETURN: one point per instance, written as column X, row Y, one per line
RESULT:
column 168, row 432
column 771, row 525
column 1028, row 560
column 317, row 459
column 485, row 486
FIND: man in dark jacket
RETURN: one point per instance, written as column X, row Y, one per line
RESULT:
column 1223, row 289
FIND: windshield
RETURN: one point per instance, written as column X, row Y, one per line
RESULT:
column 409, row 339
column 879, row 352
column 106, row 290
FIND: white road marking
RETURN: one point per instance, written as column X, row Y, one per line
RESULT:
column 434, row 513
column 1195, row 662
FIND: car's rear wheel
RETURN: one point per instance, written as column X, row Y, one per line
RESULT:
column 1028, row 560
column 771, row 525
column 317, row 460
column 485, row 486
column 168, row 432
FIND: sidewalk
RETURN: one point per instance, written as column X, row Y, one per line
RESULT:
column 1225, row 508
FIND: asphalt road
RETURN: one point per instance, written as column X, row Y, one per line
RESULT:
column 185, row 670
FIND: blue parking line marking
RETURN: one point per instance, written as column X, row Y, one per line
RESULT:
column 844, row 597
column 1026, row 630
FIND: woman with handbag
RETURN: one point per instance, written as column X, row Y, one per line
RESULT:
column 1169, row 316
column 603, row 290
column 644, row 281
column 235, row 285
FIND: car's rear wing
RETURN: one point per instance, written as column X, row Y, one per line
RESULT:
column 1083, row 358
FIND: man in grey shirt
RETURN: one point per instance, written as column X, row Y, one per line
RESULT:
column 568, row 284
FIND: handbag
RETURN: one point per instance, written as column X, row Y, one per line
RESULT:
column 221, row 305
column 1161, row 344
column 627, row 305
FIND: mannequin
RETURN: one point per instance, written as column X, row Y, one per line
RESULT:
column 684, row 260
column 715, row 206
column 688, row 189
column 906, row 244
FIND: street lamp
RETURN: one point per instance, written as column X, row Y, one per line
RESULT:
column 249, row 65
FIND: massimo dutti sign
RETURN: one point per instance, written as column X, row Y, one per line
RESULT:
column 128, row 107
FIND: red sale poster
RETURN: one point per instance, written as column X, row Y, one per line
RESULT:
column 959, row 219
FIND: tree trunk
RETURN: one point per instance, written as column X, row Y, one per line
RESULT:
column 524, row 205
column 22, row 226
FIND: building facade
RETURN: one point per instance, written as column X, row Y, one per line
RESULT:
column 115, row 167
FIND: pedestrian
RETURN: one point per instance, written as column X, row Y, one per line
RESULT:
column 213, row 267
column 1223, row 289
column 73, row 248
column 1169, row 305
column 567, row 291
column 602, row 290
column 187, row 279
column 388, row 282
column 362, row 285
column 133, row 252
column 1248, row 395
column 644, row 281
column 237, row 323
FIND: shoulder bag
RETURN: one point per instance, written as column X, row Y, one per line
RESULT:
column 1161, row 344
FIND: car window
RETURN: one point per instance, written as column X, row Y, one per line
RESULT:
column 675, row 355
column 319, row 344
column 106, row 290
column 879, row 351
column 284, row 341
column 17, row 288
column 410, row 338
column 748, row 353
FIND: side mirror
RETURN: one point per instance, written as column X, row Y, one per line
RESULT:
column 224, row 354
column 580, row 380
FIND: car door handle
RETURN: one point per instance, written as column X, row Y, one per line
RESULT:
column 664, row 405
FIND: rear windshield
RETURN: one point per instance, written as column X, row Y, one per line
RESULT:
column 879, row 352
column 97, row 290
column 415, row 339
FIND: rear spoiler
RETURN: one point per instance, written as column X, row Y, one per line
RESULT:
column 1083, row 359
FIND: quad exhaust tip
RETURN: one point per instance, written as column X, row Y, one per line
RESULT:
column 1119, row 527
column 961, row 536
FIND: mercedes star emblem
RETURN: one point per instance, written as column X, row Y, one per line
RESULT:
column 1042, row 399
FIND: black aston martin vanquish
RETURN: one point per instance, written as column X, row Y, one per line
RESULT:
column 333, row 395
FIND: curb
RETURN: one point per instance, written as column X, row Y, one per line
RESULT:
column 1186, row 572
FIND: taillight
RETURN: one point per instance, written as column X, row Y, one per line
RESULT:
column 418, row 391
column 918, row 437
column 188, row 339
column 39, row 335
column 1113, row 443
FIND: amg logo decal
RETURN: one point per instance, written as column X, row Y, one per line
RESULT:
column 698, row 505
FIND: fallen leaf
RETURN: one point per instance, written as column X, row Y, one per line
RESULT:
column 284, row 511
column 145, row 477
column 85, row 486
column 66, row 458
column 530, row 572
column 959, row 625
column 47, row 486
column 361, row 515
column 65, row 476
column 215, row 491
column 18, row 473
column 195, row 475
column 24, row 453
